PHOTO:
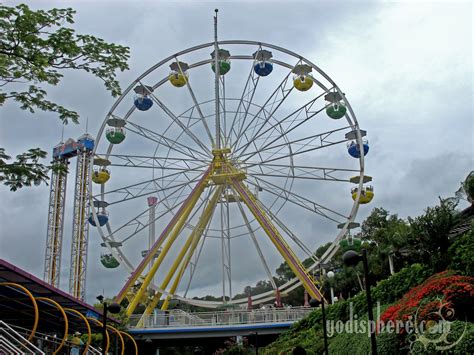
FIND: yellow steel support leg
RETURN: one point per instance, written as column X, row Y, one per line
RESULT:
column 277, row 239
column 152, row 252
column 183, row 267
column 196, row 238
column 169, row 242
column 188, row 248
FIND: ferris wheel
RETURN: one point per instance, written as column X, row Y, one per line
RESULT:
column 223, row 160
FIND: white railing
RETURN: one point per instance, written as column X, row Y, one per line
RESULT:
column 180, row 318
column 40, row 344
column 12, row 342
column 94, row 351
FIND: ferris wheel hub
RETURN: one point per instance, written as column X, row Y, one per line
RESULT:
column 223, row 171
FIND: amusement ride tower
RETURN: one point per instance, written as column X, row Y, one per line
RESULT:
column 82, row 149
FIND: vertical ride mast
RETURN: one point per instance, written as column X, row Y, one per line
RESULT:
column 80, row 227
column 54, row 238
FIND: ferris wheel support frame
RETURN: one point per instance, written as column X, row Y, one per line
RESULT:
column 175, row 228
column 188, row 249
column 147, row 259
column 223, row 174
column 283, row 248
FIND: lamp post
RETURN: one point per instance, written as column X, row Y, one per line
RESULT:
column 352, row 258
column 330, row 276
column 256, row 343
column 112, row 308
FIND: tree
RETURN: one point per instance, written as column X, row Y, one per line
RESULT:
column 36, row 48
column 429, row 235
column 389, row 234
column 468, row 187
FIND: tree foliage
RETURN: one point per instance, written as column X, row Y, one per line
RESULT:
column 429, row 235
column 468, row 187
column 36, row 49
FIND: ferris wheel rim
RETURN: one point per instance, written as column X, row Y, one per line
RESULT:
column 334, row 246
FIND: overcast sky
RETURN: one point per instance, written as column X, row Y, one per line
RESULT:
column 406, row 69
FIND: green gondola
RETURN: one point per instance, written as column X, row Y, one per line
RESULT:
column 109, row 261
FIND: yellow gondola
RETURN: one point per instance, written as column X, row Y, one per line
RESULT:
column 177, row 79
column 100, row 176
column 179, row 75
column 302, row 82
column 366, row 195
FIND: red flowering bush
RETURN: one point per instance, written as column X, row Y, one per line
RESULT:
column 443, row 295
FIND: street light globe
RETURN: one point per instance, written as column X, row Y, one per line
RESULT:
column 114, row 308
column 351, row 258
column 330, row 274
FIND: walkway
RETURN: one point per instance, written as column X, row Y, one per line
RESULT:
column 180, row 324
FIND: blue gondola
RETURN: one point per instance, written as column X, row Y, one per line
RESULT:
column 101, row 216
column 262, row 65
column 353, row 148
column 143, row 103
column 263, row 68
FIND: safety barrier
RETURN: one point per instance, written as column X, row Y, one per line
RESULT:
column 179, row 318
column 12, row 342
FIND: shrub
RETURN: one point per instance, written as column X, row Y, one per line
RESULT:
column 386, row 291
column 462, row 254
column 444, row 290
column 391, row 289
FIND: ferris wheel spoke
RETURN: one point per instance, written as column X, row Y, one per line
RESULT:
column 165, row 209
column 299, row 172
column 276, row 99
column 156, row 162
column 177, row 121
column 222, row 108
column 291, row 121
column 172, row 144
column 193, row 265
column 197, row 106
column 298, row 199
column 144, row 188
column 255, row 243
column 303, row 145
column 244, row 104
column 225, row 248
column 142, row 225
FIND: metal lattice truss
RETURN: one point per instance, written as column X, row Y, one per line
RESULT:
column 80, row 227
column 275, row 157
column 54, row 239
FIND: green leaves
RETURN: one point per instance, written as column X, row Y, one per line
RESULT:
column 24, row 171
column 37, row 47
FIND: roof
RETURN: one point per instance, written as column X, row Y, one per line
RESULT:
column 17, row 309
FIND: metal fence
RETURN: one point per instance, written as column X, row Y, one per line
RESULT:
column 180, row 318
column 13, row 340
